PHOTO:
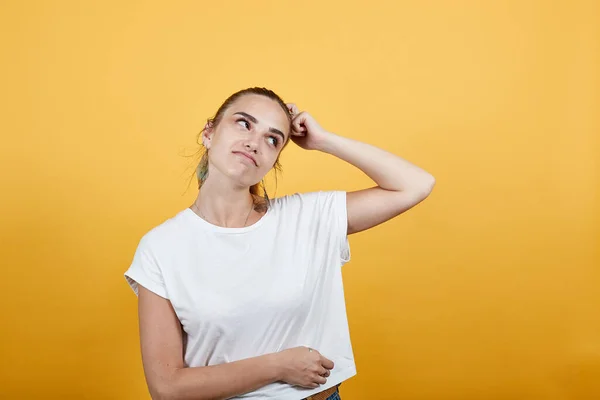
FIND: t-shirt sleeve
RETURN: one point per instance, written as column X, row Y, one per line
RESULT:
column 144, row 270
column 340, row 215
column 331, row 207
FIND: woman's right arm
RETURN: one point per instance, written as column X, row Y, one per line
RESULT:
column 161, row 340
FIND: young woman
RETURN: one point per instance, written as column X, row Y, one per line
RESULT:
column 241, row 296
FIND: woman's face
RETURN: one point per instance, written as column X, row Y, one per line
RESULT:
column 246, row 143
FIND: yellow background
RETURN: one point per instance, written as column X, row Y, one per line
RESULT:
column 487, row 290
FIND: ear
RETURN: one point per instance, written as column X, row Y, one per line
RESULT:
column 207, row 134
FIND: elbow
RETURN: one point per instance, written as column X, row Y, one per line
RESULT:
column 164, row 389
column 162, row 392
column 426, row 187
column 173, row 387
column 431, row 184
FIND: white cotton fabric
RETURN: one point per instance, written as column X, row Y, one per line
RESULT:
column 245, row 292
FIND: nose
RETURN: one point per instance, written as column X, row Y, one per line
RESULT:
column 251, row 147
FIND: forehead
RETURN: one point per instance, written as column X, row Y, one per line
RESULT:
column 268, row 112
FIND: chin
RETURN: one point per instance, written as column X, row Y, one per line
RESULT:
column 245, row 180
column 240, row 175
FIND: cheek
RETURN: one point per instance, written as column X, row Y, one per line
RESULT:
column 223, row 142
column 272, row 157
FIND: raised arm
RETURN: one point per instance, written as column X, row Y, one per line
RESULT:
column 400, row 184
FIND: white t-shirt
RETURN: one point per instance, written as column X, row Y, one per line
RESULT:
column 267, row 287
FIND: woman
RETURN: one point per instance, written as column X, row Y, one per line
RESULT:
column 240, row 295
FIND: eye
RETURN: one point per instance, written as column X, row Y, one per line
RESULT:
column 246, row 123
column 274, row 139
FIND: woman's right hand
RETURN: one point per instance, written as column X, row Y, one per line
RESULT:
column 304, row 367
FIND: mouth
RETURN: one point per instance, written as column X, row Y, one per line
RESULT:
column 248, row 156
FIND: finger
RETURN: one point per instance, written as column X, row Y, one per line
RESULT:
column 297, row 125
column 292, row 107
column 297, row 133
column 320, row 380
column 326, row 363
column 323, row 372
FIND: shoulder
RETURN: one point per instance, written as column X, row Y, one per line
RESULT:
column 297, row 199
column 165, row 232
column 310, row 201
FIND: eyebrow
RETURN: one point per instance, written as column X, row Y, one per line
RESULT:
column 254, row 120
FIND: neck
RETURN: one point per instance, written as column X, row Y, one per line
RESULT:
column 225, row 205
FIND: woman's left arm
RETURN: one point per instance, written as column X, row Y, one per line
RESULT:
column 400, row 184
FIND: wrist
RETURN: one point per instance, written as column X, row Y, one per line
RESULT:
column 274, row 366
column 328, row 142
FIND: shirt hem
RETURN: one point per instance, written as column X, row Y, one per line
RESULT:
column 338, row 378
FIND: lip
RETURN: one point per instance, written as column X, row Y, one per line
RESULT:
column 247, row 156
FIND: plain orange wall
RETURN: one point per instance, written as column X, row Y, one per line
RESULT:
column 487, row 290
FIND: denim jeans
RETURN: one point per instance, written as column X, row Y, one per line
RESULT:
column 335, row 396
